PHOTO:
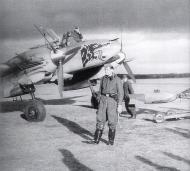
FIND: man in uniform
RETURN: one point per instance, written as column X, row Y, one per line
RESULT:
column 128, row 89
column 76, row 35
column 110, row 104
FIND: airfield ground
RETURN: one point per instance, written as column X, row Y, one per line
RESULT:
column 61, row 141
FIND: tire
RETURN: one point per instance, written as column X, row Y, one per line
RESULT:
column 159, row 117
column 35, row 111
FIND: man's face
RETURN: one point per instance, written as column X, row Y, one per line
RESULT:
column 109, row 71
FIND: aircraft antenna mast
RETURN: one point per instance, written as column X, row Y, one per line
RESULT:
column 54, row 50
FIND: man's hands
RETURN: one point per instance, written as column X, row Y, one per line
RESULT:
column 119, row 108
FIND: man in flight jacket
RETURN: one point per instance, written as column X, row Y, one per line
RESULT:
column 110, row 104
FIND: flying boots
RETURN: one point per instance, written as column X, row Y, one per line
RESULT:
column 132, row 110
column 97, row 136
column 111, row 136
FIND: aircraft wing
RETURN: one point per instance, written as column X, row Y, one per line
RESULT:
column 150, row 98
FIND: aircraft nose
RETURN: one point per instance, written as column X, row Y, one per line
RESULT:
column 112, row 49
column 116, row 45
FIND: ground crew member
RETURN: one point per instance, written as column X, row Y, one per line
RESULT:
column 128, row 89
column 75, row 34
column 110, row 104
column 65, row 39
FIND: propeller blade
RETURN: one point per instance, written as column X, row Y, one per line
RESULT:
column 60, row 78
column 128, row 69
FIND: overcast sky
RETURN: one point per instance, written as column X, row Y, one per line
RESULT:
column 157, row 31
column 18, row 16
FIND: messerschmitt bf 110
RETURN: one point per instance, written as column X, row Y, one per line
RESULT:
column 70, row 66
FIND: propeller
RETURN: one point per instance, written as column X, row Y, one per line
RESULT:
column 58, row 56
column 128, row 69
column 60, row 78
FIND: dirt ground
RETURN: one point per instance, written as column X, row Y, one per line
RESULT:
column 61, row 141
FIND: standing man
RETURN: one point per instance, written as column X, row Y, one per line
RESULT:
column 128, row 89
column 110, row 104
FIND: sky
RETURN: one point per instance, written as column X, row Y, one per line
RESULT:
column 18, row 17
column 151, row 21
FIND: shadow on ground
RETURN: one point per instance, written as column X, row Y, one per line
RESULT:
column 177, row 157
column 68, row 100
column 76, row 128
column 11, row 106
column 146, row 111
column 87, row 106
column 179, row 131
column 155, row 165
column 71, row 162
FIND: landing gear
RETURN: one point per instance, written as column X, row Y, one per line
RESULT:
column 35, row 111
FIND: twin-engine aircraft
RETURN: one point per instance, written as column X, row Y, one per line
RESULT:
column 69, row 65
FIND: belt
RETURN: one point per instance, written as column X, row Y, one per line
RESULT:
column 114, row 96
column 108, row 95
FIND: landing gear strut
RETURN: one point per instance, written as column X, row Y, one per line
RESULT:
column 34, row 110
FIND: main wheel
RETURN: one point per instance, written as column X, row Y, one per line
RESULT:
column 35, row 111
column 159, row 117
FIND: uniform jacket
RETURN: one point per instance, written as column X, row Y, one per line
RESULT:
column 112, row 85
column 128, row 89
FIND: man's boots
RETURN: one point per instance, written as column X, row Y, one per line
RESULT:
column 132, row 109
column 97, row 136
column 111, row 136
